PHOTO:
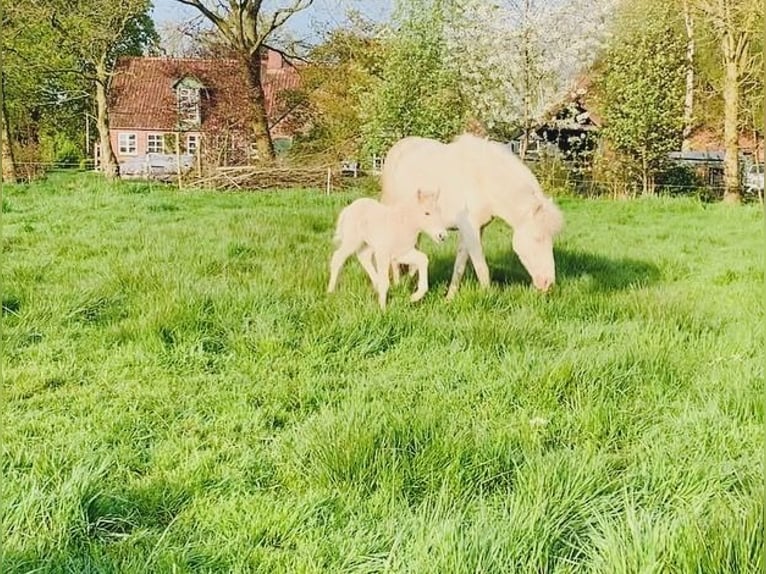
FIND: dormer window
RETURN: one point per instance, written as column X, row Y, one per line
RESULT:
column 188, row 92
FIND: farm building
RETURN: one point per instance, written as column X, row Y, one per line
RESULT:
column 569, row 129
column 163, row 110
column 571, row 125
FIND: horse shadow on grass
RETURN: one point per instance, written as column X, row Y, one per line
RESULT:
column 605, row 273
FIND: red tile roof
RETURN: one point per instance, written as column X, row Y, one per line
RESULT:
column 141, row 95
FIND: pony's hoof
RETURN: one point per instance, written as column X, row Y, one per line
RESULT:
column 415, row 297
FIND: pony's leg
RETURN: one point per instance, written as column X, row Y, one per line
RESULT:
column 419, row 261
column 383, row 264
column 395, row 271
column 339, row 257
column 476, row 252
column 461, row 259
column 364, row 255
column 469, row 246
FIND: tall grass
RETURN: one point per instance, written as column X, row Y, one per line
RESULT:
column 182, row 395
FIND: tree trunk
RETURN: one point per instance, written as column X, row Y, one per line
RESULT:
column 263, row 142
column 646, row 177
column 9, row 174
column 527, row 96
column 689, row 98
column 731, row 123
column 108, row 160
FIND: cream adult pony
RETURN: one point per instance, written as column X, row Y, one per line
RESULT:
column 389, row 234
column 478, row 180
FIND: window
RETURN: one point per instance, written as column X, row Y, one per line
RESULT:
column 188, row 107
column 127, row 144
column 192, row 143
column 155, row 143
column 282, row 144
column 188, row 101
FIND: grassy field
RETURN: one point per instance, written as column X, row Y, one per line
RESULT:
column 180, row 394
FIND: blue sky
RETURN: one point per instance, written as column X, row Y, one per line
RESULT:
column 321, row 15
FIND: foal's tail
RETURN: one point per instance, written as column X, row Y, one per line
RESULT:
column 338, row 237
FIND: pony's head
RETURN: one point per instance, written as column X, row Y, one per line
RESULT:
column 533, row 242
column 428, row 215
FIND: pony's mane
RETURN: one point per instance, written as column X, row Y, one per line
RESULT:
column 546, row 216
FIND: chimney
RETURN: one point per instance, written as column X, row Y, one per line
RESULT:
column 274, row 60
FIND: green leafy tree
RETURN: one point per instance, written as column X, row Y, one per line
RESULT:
column 734, row 26
column 340, row 71
column 43, row 102
column 643, row 87
column 94, row 33
column 418, row 93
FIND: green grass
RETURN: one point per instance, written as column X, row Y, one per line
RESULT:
column 180, row 394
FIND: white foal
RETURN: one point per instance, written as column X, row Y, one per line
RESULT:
column 370, row 229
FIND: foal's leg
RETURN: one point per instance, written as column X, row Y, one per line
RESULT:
column 417, row 260
column 397, row 272
column 364, row 255
column 343, row 252
column 383, row 264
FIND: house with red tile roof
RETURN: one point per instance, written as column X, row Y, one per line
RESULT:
column 165, row 109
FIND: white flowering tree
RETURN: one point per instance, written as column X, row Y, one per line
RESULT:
column 517, row 57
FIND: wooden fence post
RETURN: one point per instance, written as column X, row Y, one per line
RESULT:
column 178, row 157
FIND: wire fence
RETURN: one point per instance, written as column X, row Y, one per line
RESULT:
column 321, row 170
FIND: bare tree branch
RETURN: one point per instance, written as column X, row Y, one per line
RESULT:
column 280, row 17
column 290, row 56
column 209, row 14
column 245, row 30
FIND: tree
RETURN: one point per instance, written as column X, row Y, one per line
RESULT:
column 341, row 70
column 10, row 28
column 515, row 58
column 689, row 87
column 753, row 90
column 38, row 93
column 8, row 161
column 246, row 27
column 643, row 86
column 733, row 24
column 96, row 33
column 418, row 93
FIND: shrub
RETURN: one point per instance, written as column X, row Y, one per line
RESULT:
column 678, row 179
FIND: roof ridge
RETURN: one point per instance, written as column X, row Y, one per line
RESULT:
column 177, row 59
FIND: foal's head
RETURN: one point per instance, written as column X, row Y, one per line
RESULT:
column 428, row 215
